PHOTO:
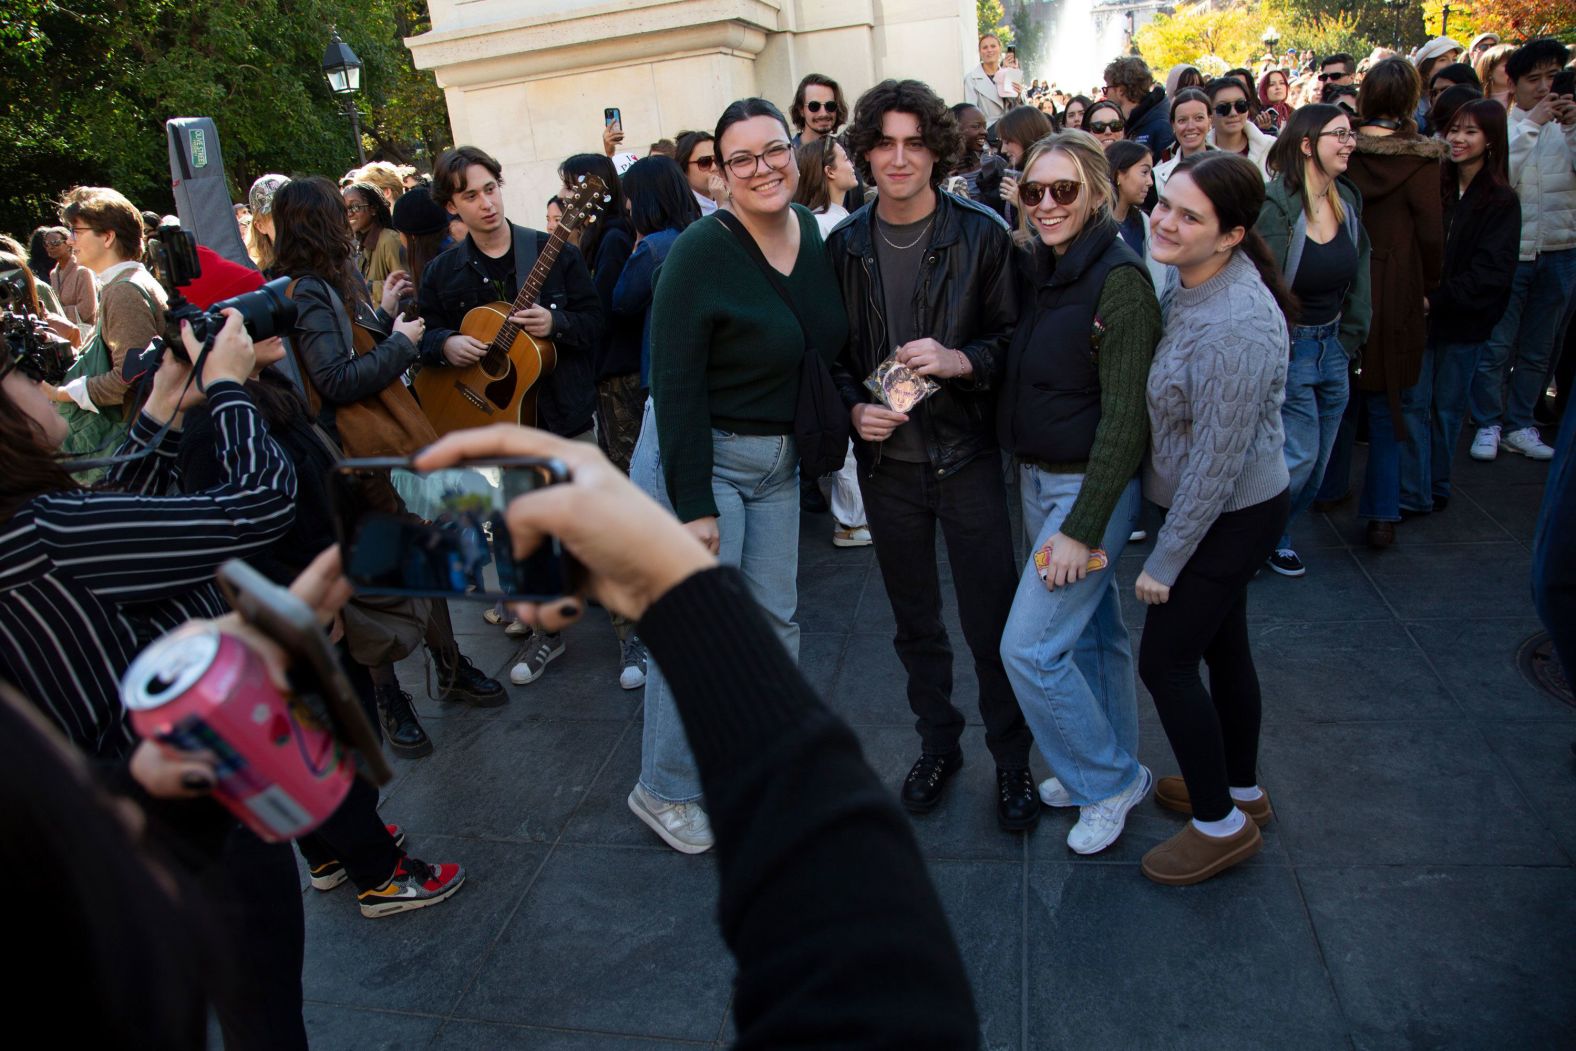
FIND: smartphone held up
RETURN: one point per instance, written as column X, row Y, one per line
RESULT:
column 451, row 540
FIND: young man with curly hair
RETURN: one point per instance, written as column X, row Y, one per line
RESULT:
column 931, row 275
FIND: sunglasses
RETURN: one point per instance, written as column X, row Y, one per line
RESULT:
column 56, row 243
column 356, row 209
column 1062, row 191
column 1101, row 126
column 705, row 164
column 1325, row 78
column 1223, row 109
column 817, row 106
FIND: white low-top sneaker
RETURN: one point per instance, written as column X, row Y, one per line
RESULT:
column 1485, row 444
column 1100, row 824
column 682, row 826
column 1054, row 793
column 1529, row 443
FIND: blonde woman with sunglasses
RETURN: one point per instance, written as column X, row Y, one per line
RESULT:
column 1073, row 413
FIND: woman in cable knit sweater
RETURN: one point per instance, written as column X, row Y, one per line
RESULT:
column 1216, row 464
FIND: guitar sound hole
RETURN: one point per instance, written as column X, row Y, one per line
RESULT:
column 494, row 365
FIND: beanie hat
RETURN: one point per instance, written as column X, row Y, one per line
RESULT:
column 416, row 213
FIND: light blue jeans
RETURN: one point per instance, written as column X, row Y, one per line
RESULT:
column 755, row 482
column 1067, row 653
column 1316, row 393
column 1519, row 353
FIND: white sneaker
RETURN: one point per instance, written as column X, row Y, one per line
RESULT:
column 682, row 826
column 1100, row 824
column 1529, row 443
column 517, row 629
column 632, row 674
column 539, row 651
column 1485, row 446
column 851, row 536
column 1054, row 793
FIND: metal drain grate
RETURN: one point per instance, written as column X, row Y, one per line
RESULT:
column 1542, row 668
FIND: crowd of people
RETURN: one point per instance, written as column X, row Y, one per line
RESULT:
column 1159, row 314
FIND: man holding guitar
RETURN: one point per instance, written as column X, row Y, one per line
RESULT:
column 480, row 300
column 489, row 266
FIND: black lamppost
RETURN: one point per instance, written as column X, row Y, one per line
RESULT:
column 1444, row 22
column 1132, row 33
column 343, row 70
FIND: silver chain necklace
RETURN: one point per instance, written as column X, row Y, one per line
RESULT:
column 912, row 243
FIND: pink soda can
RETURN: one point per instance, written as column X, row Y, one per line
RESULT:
column 200, row 689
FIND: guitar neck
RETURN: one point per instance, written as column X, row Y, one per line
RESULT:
column 531, row 287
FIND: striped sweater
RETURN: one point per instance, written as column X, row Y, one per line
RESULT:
column 87, row 578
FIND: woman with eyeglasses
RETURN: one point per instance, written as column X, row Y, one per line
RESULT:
column 1104, row 121
column 1397, row 172
column 1190, row 124
column 716, row 444
column 378, row 249
column 72, row 282
column 1233, row 128
column 1312, row 222
column 1072, row 411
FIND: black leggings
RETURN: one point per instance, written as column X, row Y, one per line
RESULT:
column 1214, row 732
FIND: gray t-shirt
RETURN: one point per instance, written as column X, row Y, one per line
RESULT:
column 899, row 252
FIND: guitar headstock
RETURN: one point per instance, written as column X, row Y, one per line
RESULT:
column 587, row 197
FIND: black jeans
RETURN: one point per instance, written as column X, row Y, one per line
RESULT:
column 354, row 835
column 904, row 502
column 1214, row 732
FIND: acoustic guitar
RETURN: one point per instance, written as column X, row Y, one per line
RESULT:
column 502, row 386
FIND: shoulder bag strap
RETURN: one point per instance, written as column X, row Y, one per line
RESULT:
column 753, row 250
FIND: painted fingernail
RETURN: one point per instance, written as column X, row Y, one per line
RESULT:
column 195, row 782
column 569, row 609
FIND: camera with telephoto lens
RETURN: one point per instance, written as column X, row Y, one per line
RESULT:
column 29, row 343
column 266, row 313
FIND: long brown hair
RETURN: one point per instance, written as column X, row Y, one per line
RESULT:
column 14, row 257
column 815, row 191
column 312, row 237
column 1235, row 189
column 28, row 467
column 1490, row 117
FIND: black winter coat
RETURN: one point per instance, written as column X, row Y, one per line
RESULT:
column 966, row 299
column 1482, row 242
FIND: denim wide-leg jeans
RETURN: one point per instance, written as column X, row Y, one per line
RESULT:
column 755, row 482
column 1067, row 652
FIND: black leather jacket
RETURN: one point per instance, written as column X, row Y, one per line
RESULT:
column 966, row 299
column 324, row 342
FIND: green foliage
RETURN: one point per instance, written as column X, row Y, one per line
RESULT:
column 87, row 86
column 1027, row 32
column 990, row 18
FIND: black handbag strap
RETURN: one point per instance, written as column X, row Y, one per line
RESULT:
column 753, row 250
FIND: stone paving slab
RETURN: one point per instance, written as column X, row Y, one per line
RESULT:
column 1416, row 890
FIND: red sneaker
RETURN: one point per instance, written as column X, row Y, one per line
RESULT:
column 414, row 885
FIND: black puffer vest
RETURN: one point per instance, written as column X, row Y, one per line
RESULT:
column 1050, row 398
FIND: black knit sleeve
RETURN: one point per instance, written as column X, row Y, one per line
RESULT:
column 825, row 901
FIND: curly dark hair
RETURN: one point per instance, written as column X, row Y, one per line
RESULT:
column 312, row 237
column 937, row 126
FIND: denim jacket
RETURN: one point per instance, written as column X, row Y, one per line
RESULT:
column 632, row 295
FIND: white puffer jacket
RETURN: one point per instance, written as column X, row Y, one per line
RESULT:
column 1543, row 172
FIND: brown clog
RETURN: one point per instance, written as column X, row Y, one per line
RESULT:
column 1192, row 857
column 1171, row 793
